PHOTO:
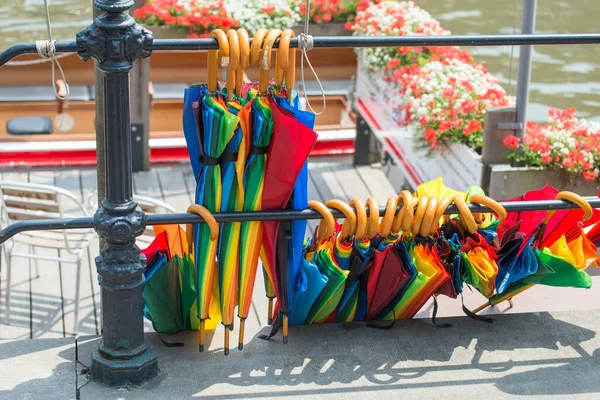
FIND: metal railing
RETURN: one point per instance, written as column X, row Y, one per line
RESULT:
column 115, row 41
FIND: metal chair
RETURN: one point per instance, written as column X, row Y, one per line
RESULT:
column 148, row 204
column 26, row 201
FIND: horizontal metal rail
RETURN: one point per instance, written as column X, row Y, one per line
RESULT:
column 344, row 41
column 278, row 215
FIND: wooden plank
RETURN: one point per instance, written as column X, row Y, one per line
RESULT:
column 349, row 180
column 376, row 182
column 175, row 193
column 189, row 181
column 325, row 181
column 146, row 183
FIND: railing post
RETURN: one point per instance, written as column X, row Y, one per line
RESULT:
column 527, row 27
column 122, row 356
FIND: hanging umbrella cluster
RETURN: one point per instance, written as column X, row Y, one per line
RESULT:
column 372, row 269
column 239, row 138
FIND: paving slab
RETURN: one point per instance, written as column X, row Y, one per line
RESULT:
column 538, row 355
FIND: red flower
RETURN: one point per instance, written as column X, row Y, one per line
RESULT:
column 589, row 176
column 512, row 142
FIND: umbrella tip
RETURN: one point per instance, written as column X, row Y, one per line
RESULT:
column 241, row 346
column 226, row 351
column 201, row 348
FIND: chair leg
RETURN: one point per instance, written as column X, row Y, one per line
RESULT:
column 93, row 291
column 36, row 261
column 62, row 295
column 8, row 276
column 77, row 287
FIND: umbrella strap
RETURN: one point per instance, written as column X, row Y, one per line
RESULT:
column 168, row 344
column 471, row 314
column 435, row 310
column 385, row 327
column 258, row 149
column 208, row 160
column 277, row 324
column 229, row 156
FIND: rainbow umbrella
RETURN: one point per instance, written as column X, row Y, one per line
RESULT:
column 261, row 130
column 215, row 127
column 233, row 162
column 282, row 170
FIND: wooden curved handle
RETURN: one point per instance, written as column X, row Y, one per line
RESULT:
column 385, row 226
column 465, row 214
column 244, row 41
column 429, row 216
column 61, row 90
column 491, row 203
column 419, row 214
column 257, row 42
column 327, row 226
column 234, row 62
column 213, row 59
column 404, row 219
column 577, row 199
column 349, row 226
column 373, row 217
column 361, row 218
column 208, row 217
column 265, row 60
column 283, row 56
column 442, row 206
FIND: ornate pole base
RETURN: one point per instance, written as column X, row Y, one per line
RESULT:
column 127, row 367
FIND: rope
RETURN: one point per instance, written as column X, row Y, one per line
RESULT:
column 512, row 48
column 47, row 51
column 306, row 43
column 34, row 62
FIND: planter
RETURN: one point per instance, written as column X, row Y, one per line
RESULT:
column 166, row 32
column 327, row 29
column 508, row 182
column 458, row 165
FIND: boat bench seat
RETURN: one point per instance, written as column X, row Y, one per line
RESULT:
column 16, row 94
column 174, row 91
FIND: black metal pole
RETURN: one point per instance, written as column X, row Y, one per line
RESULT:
column 122, row 357
column 69, row 46
column 276, row 215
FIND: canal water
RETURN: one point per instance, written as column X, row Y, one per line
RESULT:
column 562, row 76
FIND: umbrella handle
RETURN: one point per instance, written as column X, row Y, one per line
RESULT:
column 441, row 209
column 419, row 214
column 388, row 218
column 213, row 225
column 490, row 203
column 283, row 54
column 234, row 62
column 465, row 214
column 221, row 55
column 257, row 42
column 429, row 216
column 361, row 218
column 404, row 219
column 265, row 60
column 328, row 229
column 573, row 198
column 244, row 41
column 349, row 226
column 373, row 217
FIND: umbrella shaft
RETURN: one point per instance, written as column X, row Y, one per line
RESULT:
column 241, row 337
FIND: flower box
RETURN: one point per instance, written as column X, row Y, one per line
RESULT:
column 324, row 29
column 458, row 165
column 166, row 32
column 506, row 182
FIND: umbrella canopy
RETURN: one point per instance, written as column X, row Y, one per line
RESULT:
column 311, row 282
column 282, row 171
column 261, row 130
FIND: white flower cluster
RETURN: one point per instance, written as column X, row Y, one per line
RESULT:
column 471, row 82
column 269, row 14
column 391, row 18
